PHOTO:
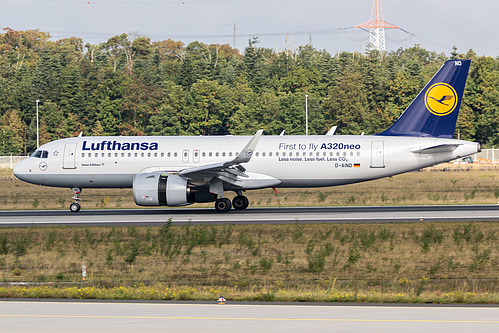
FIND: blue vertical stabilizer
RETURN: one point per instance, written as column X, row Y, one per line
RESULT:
column 434, row 111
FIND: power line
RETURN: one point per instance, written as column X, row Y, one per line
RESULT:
column 452, row 17
column 227, row 35
column 179, row 2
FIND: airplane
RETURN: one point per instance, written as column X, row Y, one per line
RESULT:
column 182, row 170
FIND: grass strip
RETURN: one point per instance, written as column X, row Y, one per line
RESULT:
column 408, row 263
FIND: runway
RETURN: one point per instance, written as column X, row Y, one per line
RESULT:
column 150, row 217
column 96, row 316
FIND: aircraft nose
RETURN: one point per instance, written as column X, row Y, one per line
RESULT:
column 22, row 169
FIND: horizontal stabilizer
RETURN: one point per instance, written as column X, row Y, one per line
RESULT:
column 437, row 149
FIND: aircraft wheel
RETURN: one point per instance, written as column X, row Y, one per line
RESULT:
column 75, row 207
column 240, row 202
column 223, row 205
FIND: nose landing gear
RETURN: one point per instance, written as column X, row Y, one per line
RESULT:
column 75, row 206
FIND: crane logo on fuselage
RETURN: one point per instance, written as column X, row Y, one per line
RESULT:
column 115, row 145
column 441, row 99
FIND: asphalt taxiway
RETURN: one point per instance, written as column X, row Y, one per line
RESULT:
column 179, row 216
column 91, row 316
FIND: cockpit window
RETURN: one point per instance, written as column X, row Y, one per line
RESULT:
column 40, row 154
column 37, row 153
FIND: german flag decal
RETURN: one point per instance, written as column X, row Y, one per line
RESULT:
column 356, row 165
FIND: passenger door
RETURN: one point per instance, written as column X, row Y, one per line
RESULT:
column 377, row 154
column 68, row 160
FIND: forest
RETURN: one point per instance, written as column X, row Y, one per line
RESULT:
column 133, row 86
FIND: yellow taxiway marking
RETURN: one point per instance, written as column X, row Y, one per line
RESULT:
column 263, row 319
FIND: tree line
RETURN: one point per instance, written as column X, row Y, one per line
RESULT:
column 139, row 87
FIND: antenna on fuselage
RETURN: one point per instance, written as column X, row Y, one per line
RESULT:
column 81, row 134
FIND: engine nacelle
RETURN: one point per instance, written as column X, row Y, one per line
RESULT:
column 157, row 189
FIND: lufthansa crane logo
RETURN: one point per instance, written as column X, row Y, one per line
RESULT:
column 441, row 99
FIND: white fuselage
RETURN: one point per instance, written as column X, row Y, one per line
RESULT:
column 296, row 161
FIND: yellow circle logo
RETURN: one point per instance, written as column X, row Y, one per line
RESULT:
column 441, row 99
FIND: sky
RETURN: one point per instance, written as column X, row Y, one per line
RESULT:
column 436, row 25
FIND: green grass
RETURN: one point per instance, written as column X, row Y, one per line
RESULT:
column 462, row 185
column 410, row 262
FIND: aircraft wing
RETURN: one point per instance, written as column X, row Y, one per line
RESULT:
column 225, row 171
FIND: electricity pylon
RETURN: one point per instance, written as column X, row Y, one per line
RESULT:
column 377, row 26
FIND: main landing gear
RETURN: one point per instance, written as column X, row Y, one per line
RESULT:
column 239, row 202
column 75, row 206
column 223, row 205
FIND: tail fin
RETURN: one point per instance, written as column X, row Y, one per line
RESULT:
column 434, row 111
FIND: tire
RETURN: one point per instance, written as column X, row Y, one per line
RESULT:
column 240, row 202
column 75, row 207
column 223, row 205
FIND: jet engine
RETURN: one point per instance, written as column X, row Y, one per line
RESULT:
column 158, row 189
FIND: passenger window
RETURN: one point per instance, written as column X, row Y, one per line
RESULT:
column 230, row 154
column 148, row 154
column 283, row 154
column 216, row 154
column 129, row 154
column 155, row 154
column 141, row 154
column 115, row 154
column 277, row 154
column 175, row 154
column 135, row 154
column 270, row 154
column 96, row 154
column 257, row 153
column 263, row 154
column 89, row 154
column 108, row 154
column 162, row 154
column 358, row 153
column 82, row 154
column 122, row 154
column 203, row 154
column 210, row 154
column 102, row 155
